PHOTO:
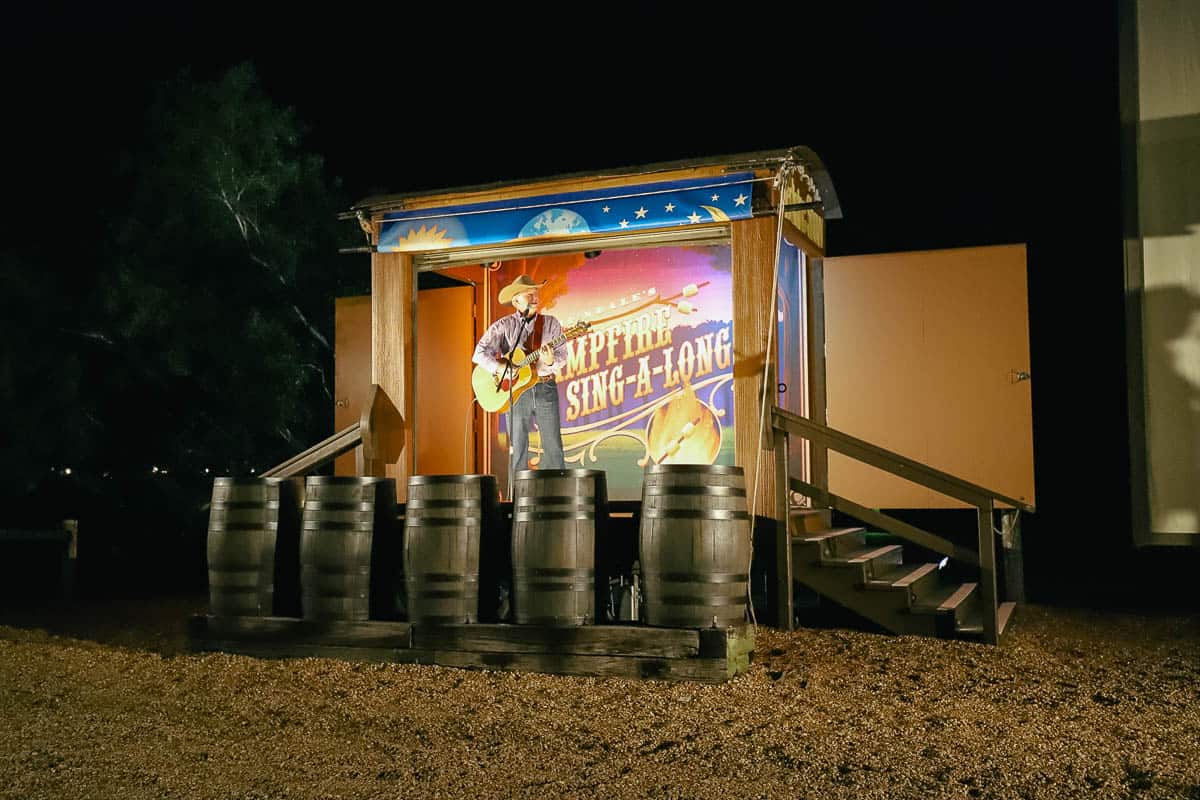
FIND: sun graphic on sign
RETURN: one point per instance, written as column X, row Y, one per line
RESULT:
column 425, row 238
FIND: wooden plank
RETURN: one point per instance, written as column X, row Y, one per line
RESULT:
column 611, row 640
column 708, row 655
column 706, row 670
column 285, row 630
column 385, row 655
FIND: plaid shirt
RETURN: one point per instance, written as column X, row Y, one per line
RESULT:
column 498, row 340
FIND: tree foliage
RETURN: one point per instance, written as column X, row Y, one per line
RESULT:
column 224, row 277
column 197, row 334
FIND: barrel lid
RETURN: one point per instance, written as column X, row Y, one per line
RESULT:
column 230, row 481
column 417, row 480
column 711, row 469
column 533, row 474
column 345, row 480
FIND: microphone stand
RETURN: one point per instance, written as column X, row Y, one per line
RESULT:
column 508, row 365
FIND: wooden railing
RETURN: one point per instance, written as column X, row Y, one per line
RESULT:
column 784, row 423
column 378, row 435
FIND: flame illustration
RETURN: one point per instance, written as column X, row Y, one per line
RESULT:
column 684, row 431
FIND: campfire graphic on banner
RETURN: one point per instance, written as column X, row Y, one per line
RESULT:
column 651, row 382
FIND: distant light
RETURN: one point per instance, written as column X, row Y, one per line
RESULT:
column 66, row 470
column 943, row 562
column 154, row 470
column 206, row 470
column 252, row 470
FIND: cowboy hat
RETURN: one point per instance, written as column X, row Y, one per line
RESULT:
column 523, row 283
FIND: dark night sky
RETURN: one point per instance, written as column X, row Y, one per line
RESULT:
column 942, row 124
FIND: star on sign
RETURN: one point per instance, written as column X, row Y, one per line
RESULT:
column 624, row 223
column 669, row 207
column 694, row 217
column 641, row 213
column 605, row 209
column 716, row 197
column 740, row 200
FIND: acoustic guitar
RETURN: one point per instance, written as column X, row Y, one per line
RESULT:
column 494, row 395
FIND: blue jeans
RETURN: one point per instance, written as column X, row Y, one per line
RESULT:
column 540, row 402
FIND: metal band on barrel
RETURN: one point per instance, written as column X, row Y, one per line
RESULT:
column 693, row 513
column 723, row 491
column 698, row 577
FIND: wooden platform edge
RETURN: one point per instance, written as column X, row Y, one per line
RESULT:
column 716, row 656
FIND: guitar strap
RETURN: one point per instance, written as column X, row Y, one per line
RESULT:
column 535, row 341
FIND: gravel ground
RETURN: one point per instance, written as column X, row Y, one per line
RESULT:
column 106, row 702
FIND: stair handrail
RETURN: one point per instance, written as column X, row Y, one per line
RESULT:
column 378, row 434
column 784, row 422
column 889, row 461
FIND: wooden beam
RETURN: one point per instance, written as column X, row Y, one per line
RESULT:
column 753, row 255
column 320, row 453
column 393, row 296
column 818, row 455
column 612, row 640
column 290, row 630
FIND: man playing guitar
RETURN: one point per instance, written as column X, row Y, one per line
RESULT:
column 531, row 330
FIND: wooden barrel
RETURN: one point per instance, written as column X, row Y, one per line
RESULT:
column 446, row 520
column 253, row 548
column 350, row 561
column 554, row 545
column 695, row 545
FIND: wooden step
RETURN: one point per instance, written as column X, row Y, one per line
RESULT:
column 972, row 624
column 951, row 605
column 831, row 541
column 809, row 520
column 871, row 561
column 915, row 580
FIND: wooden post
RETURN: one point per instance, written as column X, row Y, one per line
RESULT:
column 783, row 535
column 987, row 572
column 382, row 435
column 818, row 454
column 1014, row 556
column 393, row 295
column 69, row 558
column 752, row 245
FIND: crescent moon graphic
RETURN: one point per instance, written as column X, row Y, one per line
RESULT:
column 717, row 214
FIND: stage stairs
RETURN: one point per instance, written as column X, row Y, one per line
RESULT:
column 873, row 578
column 875, row 582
